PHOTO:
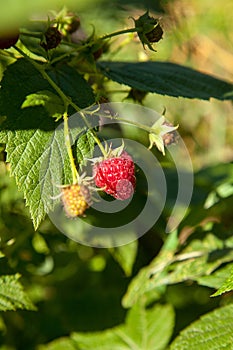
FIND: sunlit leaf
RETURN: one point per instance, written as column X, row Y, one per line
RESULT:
column 36, row 153
column 144, row 329
column 12, row 295
column 213, row 331
column 226, row 287
column 125, row 255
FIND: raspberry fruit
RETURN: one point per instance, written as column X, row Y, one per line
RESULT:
column 52, row 38
column 155, row 34
column 76, row 199
column 116, row 176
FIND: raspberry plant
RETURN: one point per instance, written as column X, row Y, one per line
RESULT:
column 52, row 70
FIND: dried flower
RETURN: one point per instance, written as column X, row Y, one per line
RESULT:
column 159, row 132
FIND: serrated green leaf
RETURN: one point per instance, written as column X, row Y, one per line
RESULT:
column 199, row 258
column 140, row 284
column 214, row 331
column 125, row 255
column 24, row 152
column 105, row 340
column 85, row 147
column 150, row 328
column 37, row 154
column 217, row 278
column 144, row 329
column 226, row 287
column 52, row 103
column 3, row 136
column 167, row 78
column 59, row 344
column 73, row 85
column 12, row 296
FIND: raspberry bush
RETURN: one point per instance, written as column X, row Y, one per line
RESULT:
column 63, row 74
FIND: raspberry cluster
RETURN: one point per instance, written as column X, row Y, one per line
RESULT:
column 52, row 38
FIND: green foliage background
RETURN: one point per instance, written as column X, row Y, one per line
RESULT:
column 142, row 295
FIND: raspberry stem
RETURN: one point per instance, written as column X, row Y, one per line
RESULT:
column 139, row 125
column 94, row 135
column 124, row 31
column 66, row 101
column 75, row 175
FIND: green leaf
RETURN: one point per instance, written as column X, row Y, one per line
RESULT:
column 125, row 255
column 25, row 150
column 167, row 78
column 59, row 344
column 150, row 328
column 37, row 154
column 52, row 103
column 140, row 284
column 85, row 147
column 200, row 258
column 226, row 287
column 12, row 296
column 144, row 329
column 105, row 340
column 73, row 85
column 213, row 331
column 217, row 278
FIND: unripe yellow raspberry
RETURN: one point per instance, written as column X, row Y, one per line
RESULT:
column 76, row 199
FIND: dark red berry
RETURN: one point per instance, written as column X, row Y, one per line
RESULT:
column 155, row 34
column 73, row 25
column 52, row 38
column 9, row 39
column 116, row 176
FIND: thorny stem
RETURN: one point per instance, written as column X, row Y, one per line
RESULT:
column 75, row 175
column 67, row 101
column 141, row 126
column 125, row 31
column 77, row 48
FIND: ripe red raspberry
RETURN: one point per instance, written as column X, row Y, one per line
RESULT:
column 116, row 175
column 76, row 199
